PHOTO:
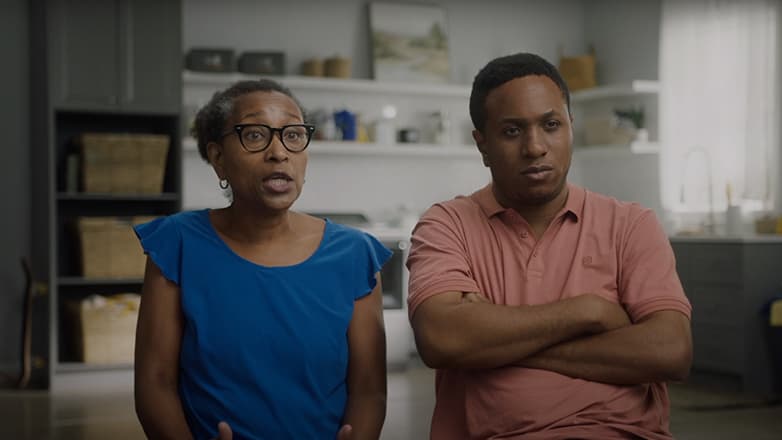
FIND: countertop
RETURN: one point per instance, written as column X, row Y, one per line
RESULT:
column 748, row 238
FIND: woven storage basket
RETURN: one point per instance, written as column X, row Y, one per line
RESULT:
column 578, row 72
column 123, row 162
column 110, row 248
column 103, row 328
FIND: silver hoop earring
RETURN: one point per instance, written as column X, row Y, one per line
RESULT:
column 223, row 183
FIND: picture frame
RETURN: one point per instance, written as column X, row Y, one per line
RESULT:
column 409, row 42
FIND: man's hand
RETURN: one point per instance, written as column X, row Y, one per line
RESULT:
column 474, row 297
column 224, row 432
column 345, row 433
column 608, row 315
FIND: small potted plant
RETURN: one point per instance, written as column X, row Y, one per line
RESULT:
column 635, row 116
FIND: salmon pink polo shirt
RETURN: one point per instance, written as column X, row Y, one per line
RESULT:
column 595, row 244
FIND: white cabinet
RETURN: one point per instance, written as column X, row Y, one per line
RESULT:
column 595, row 107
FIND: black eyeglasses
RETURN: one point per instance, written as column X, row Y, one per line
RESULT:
column 257, row 137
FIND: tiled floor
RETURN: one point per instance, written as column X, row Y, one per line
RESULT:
column 100, row 406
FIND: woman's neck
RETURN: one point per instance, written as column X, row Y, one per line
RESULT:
column 256, row 225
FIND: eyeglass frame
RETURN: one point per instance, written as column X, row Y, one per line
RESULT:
column 238, row 128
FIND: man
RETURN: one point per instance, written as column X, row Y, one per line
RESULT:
column 549, row 311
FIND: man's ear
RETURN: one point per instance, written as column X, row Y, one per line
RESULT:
column 214, row 152
column 480, row 142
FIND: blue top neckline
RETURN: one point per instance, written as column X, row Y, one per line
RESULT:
column 212, row 231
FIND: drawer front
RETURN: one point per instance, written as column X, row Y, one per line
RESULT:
column 714, row 303
column 709, row 262
column 717, row 347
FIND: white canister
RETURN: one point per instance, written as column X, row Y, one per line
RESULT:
column 733, row 222
column 384, row 132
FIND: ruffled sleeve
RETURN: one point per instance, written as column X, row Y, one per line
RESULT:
column 376, row 256
column 162, row 242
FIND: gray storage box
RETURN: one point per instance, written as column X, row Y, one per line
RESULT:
column 265, row 63
column 210, row 60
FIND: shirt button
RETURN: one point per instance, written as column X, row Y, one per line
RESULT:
column 523, row 235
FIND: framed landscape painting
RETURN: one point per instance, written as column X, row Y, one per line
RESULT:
column 409, row 42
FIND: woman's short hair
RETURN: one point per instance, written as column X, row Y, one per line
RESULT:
column 209, row 124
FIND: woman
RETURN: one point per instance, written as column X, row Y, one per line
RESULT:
column 256, row 315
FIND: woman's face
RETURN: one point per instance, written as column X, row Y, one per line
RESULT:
column 272, row 178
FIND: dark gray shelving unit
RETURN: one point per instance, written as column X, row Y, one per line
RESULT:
column 105, row 66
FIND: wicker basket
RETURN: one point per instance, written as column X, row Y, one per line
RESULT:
column 578, row 72
column 110, row 248
column 123, row 162
column 103, row 328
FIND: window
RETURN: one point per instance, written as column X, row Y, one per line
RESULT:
column 719, row 104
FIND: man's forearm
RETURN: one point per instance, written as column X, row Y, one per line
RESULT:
column 476, row 334
column 656, row 349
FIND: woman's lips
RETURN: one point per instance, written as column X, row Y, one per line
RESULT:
column 278, row 183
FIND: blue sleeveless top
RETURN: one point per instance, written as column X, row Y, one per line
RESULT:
column 263, row 348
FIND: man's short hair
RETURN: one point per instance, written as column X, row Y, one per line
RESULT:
column 503, row 69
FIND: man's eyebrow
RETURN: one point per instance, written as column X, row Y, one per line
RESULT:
column 545, row 115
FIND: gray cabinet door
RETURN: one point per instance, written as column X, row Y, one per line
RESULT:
column 151, row 41
column 84, row 53
column 116, row 55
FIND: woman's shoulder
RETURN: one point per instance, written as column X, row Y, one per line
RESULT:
column 189, row 216
column 173, row 223
column 345, row 232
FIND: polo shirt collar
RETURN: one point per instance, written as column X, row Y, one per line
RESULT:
column 574, row 205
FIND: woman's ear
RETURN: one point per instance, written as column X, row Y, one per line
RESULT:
column 480, row 142
column 214, row 152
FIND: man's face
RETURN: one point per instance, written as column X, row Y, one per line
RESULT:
column 526, row 141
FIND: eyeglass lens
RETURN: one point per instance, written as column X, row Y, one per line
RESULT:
column 258, row 137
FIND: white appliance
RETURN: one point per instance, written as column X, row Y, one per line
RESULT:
column 394, row 276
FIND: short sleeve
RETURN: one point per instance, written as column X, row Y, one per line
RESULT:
column 376, row 255
column 438, row 261
column 648, row 280
column 162, row 242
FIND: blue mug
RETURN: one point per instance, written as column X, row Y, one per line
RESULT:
column 346, row 123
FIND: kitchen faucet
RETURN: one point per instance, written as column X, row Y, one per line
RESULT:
column 709, row 225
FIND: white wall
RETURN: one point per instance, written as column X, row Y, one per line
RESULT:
column 624, row 33
column 477, row 31
column 626, row 38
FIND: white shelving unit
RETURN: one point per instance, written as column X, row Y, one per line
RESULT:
column 634, row 88
column 307, row 83
column 413, row 102
column 355, row 149
column 633, row 148
column 600, row 101
column 365, row 95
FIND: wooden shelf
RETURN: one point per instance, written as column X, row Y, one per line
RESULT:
column 97, row 197
column 81, row 367
column 633, row 88
column 299, row 83
column 327, row 148
column 81, row 281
